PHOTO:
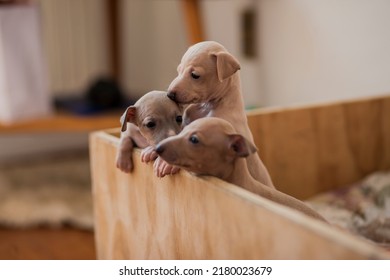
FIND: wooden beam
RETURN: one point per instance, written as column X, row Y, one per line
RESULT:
column 113, row 19
column 193, row 20
column 63, row 122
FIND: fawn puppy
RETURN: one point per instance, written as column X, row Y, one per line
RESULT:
column 151, row 119
column 208, row 80
column 211, row 146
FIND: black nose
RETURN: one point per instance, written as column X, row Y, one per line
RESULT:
column 172, row 95
column 160, row 149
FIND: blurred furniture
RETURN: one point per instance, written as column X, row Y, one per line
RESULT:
column 63, row 122
column 69, row 123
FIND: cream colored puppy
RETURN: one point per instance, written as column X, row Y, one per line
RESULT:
column 208, row 77
column 151, row 119
column 211, row 146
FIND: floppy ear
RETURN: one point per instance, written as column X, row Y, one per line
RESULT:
column 227, row 65
column 128, row 116
column 240, row 146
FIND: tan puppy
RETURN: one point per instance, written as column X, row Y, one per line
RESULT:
column 211, row 146
column 207, row 76
column 151, row 119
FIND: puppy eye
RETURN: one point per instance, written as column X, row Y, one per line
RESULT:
column 193, row 139
column 194, row 76
column 150, row 124
column 179, row 119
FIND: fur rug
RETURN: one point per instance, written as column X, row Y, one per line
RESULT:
column 53, row 192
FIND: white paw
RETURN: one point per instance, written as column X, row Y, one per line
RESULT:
column 148, row 154
column 162, row 168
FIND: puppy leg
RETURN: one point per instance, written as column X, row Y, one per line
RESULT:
column 124, row 159
column 130, row 138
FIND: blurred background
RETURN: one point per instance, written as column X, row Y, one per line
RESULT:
column 291, row 52
column 297, row 51
column 69, row 67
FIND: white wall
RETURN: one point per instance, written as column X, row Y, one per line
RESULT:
column 222, row 21
column 153, row 41
column 315, row 50
column 310, row 51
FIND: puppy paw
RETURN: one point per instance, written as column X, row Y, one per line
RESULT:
column 162, row 168
column 125, row 164
column 148, row 154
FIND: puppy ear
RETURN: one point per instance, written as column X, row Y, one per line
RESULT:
column 178, row 68
column 240, row 146
column 128, row 116
column 227, row 65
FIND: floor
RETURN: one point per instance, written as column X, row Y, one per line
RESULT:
column 46, row 244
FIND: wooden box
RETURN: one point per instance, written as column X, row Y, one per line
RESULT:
column 307, row 151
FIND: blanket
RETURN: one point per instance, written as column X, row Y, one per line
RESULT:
column 362, row 208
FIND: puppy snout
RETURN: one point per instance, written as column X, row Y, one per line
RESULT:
column 159, row 149
column 172, row 95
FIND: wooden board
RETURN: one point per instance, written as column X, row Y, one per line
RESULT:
column 317, row 148
column 139, row 216
column 63, row 122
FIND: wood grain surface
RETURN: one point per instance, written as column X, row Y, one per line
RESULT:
column 317, row 148
column 139, row 216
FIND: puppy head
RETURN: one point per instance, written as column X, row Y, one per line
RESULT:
column 207, row 146
column 156, row 116
column 203, row 73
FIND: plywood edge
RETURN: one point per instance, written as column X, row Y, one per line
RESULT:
column 280, row 109
column 109, row 136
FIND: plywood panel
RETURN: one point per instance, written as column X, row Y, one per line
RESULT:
column 313, row 149
column 139, row 216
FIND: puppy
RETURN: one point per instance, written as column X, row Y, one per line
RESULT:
column 151, row 119
column 211, row 146
column 207, row 76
